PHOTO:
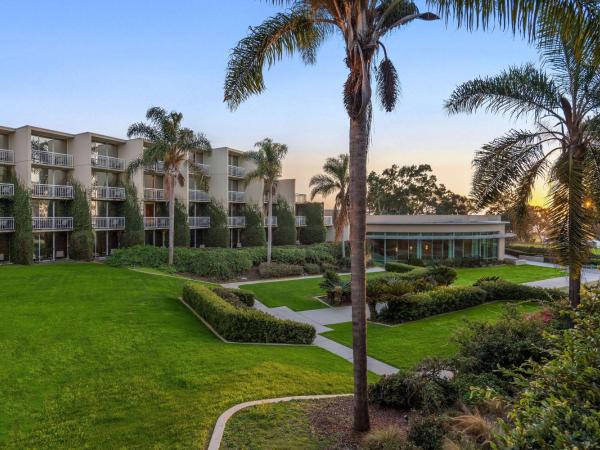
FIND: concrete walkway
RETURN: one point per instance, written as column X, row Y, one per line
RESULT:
column 587, row 276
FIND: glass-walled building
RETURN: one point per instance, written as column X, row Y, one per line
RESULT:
column 435, row 238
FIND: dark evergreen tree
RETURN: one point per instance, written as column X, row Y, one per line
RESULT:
column 218, row 233
column 82, row 237
column 134, row 222
column 254, row 233
column 285, row 232
column 182, row 229
column 314, row 232
column 21, row 243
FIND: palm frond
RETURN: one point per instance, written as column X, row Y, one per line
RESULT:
column 322, row 185
column 388, row 84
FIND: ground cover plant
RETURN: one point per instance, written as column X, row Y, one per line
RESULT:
column 95, row 356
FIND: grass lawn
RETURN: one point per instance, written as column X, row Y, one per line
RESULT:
column 407, row 344
column 94, row 356
column 299, row 295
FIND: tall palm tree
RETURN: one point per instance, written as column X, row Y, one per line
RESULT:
column 170, row 143
column 363, row 24
column 563, row 146
column 268, row 159
column 336, row 179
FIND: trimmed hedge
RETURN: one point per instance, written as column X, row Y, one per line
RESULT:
column 398, row 267
column 244, row 324
column 505, row 290
column 246, row 298
column 278, row 270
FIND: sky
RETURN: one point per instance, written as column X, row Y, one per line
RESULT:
column 97, row 66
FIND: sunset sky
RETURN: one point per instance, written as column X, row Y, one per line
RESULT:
column 75, row 66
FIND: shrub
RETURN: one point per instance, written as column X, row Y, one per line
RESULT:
column 181, row 237
column 217, row 235
column 82, row 245
column 246, row 324
column 337, row 290
column 285, row 232
column 256, row 254
column 134, row 222
column 278, row 270
column 318, row 254
column 505, row 290
column 21, row 242
column 312, row 269
column 326, row 267
column 82, row 237
column 228, row 296
column 389, row 438
column 253, row 235
column 289, row 255
column 246, row 298
column 488, row 279
column 424, row 304
column 442, row 275
column 314, row 231
column 427, row 433
column 398, row 267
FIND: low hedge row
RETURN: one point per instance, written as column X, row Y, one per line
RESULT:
column 278, row 270
column 245, row 297
column 244, row 324
column 398, row 267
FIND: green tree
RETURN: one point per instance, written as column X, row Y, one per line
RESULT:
column 21, row 243
column 169, row 143
column 336, row 179
column 285, row 233
column 564, row 147
column 217, row 235
column 253, row 234
column 134, row 222
column 268, row 159
column 314, row 232
column 82, row 236
column 182, row 229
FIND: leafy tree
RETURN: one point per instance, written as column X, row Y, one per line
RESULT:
column 182, row 229
column 285, row 233
column 268, row 159
column 82, row 237
column 336, row 179
column 218, row 233
column 253, row 235
column 170, row 143
column 21, row 243
column 134, row 222
column 314, row 232
column 413, row 190
column 564, row 146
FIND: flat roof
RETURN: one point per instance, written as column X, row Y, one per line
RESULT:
column 433, row 219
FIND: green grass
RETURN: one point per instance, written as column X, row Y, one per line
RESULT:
column 407, row 344
column 94, row 356
column 299, row 295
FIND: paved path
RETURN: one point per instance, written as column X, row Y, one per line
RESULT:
column 587, row 276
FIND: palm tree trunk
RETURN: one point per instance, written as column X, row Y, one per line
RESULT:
column 574, row 287
column 171, row 218
column 358, row 209
column 269, row 224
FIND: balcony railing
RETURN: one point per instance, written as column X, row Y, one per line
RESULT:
column 154, row 194
column 158, row 167
column 109, row 163
column 273, row 221
column 300, row 221
column 51, row 159
column 58, row 191
column 199, row 222
column 52, row 223
column 7, row 190
column 199, row 168
column 199, row 196
column 328, row 221
column 237, row 197
column 108, row 193
column 156, row 223
column 108, row 223
column 7, row 224
column 236, row 171
column 236, row 221
column 7, row 156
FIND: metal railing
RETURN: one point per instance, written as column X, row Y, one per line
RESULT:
column 109, row 162
column 108, row 193
column 51, row 159
column 154, row 194
column 158, row 166
column 199, row 222
column 273, row 221
column 328, row 221
column 156, row 223
column 108, row 223
column 199, row 196
column 236, row 221
column 7, row 190
column 53, row 223
column 300, row 221
column 237, row 197
column 7, row 224
column 7, row 156
column 236, row 171
column 62, row 191
column 199, row 168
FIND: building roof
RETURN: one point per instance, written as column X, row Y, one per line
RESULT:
column 433, row 219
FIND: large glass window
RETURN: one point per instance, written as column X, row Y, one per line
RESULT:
column 101, row 149
column 376, row 247
column 49, row 144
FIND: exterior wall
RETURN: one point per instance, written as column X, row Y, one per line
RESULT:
column 20, row 143
column 80, row 147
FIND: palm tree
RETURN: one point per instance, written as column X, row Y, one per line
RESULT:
column 564, row 147
column 168, row 142
column 335, row 179
column 363, row 24
column 268, row 159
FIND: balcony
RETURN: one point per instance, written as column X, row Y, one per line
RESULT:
column 44, row 158
column 158, row 167
column 199, row 222
column 237, row 197
column 155, row 194
column 273, row 221
column 52, row 191
column 7, row 190
column 108, row 223
column 7, row 156
column 52, row 223
column 7, row 224
column 199, row 168
column 108, row 193
column 156, row 223
column 109, row 163
column 328, row 221
column 236, row 221
column 300, row 221
column 199, row 196
column 236, row 171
